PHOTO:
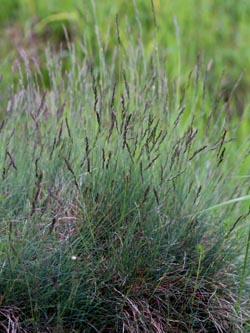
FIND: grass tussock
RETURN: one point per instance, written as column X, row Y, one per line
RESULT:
column 107, row 186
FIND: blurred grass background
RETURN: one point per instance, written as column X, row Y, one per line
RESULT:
column 187, row 34
column 184, row 30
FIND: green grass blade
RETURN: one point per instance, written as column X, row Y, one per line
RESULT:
column 225, row 203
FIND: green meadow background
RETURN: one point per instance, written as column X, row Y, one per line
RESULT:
column 185, row 33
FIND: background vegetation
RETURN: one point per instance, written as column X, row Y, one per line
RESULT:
column 186, row 34
column 124, row 153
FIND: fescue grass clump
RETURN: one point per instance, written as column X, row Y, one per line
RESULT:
column 107, row 187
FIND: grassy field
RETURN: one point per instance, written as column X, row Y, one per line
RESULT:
column 124, row 158
column 216, row 31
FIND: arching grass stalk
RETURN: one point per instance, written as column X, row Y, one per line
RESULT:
column 225, row 203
